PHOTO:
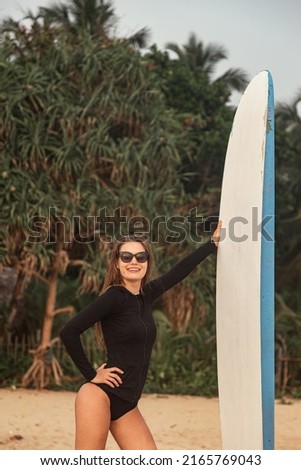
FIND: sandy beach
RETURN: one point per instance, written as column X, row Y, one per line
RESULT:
column 38, row 420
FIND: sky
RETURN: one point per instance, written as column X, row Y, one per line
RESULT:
column 257, row 34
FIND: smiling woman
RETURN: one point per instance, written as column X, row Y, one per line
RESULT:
column 108, row 400
column 133, row 265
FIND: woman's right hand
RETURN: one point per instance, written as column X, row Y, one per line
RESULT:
column 108, row 376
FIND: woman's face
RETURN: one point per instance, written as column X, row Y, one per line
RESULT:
column 132, row 270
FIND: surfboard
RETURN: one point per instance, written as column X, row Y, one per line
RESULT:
column 245, row 274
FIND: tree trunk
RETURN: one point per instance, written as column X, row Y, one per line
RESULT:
column 45, row 366
column 49, row 313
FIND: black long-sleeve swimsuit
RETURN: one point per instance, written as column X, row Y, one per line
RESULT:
column 128, row 327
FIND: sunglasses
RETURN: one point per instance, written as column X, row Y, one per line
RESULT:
column 127, row 257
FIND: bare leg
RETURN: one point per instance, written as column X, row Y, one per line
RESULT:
column 92, row 415
column 132, row 433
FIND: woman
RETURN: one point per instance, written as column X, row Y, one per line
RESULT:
column 109, row 398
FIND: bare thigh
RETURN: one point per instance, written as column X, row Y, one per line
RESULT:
column 132, row 433
column 92, row 417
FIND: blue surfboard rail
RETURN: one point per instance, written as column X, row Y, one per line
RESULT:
column 267, row 302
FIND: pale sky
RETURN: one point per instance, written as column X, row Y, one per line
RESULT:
column 258, row 34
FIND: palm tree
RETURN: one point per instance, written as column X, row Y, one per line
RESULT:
column 288, row 229
column 288, row 116
column 288, row 148
column 93, row 16
column 199, row 57
column 84, row 128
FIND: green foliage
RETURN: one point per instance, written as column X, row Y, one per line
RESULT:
column 199, row 105
column 288, row 345
column 288, row 239
column 182, row 363
column 12, row 369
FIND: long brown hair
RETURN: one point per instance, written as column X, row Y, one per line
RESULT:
column 113, row 276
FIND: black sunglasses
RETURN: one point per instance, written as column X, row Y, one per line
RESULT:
column 127, row 257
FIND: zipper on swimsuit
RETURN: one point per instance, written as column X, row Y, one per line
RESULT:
column 144, row 347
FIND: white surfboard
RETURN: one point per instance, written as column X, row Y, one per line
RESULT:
column 245, row 274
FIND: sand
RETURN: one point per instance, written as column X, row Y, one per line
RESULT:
column 36, row 420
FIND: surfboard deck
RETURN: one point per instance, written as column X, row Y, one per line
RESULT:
column 245, row 274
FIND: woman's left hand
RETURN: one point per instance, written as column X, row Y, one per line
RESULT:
column 217, row 233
